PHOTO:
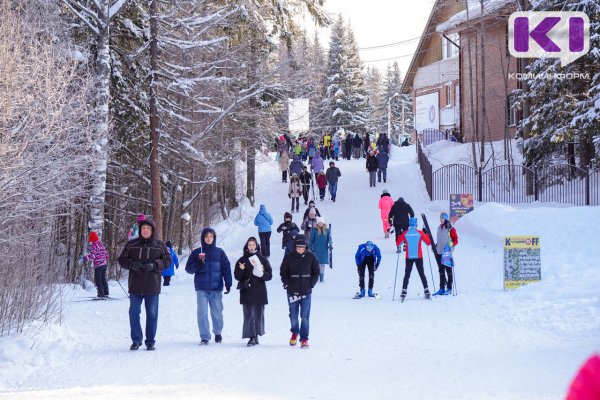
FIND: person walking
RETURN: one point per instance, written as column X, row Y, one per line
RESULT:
column 99, row 257
column 382, row 163
column 296, row 166
column 169, row 272
column 371, row 166
column 252, row 270
column 284, row 161
column 305, row 181
column 348, row 145
column 309, row 222
column 311, row 205
column 211, row 269
column 414, row 255
column 332, row 175
column 366, row 144
column 299, row 274
column 319, row 243
column 447, row 239
column 317, row 163
column 294, row 192
column 367, row 257
column 385, row 205
column 289, row 230
column 356, row 145
column 399, row 214
column 263, row 221
column 321, row 184
column 312, row 149
column 336, row 147
column 145, row 258
column 327, row 145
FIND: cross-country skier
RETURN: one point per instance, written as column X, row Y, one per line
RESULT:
column 399, row 214
column 413, row 238
column 446, row 240
column 368, row 256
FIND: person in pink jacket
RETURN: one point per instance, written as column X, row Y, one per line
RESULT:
column 385, row 205
column 586, row 384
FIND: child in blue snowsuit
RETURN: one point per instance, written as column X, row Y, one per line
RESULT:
column 368, row 257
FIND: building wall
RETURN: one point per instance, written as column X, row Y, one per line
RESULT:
column 498, row 65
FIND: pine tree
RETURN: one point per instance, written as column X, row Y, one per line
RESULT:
column 392, row 94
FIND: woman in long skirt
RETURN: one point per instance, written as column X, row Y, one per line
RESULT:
column 252, row 270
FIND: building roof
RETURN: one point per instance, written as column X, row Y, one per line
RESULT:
column 474, row 8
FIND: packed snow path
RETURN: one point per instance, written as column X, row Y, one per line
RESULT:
column 483, row 343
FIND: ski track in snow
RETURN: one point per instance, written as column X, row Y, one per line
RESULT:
column 484, row 343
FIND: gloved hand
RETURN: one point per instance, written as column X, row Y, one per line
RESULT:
column 227, row 289
column 289, row 196
column 136, row 266
column 376, row 266
column 149, row 266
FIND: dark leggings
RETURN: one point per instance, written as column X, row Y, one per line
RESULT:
column 444, row 270
column 265, row 243
column 369, row 263
column 100, row 280
column 284, row 176
column 408, row 270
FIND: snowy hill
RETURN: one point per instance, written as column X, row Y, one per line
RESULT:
column 484, row 343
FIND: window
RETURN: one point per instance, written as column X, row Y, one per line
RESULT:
column 448, row 96
column 449, row 50
column 512, row 111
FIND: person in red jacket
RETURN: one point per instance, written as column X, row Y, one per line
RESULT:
column 413, row 238
column 322, row 184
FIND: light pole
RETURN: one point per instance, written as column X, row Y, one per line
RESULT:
column 389, row 127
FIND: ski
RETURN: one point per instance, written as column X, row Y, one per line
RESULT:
column 376, row 296
column 97, row 298
column 430, row 233
column 357, row 296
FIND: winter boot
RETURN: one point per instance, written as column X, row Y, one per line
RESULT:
column 371, row 294
column 362, row 292
column 447, row 292
column 134, row 346
column 252, row 342
column 150, row 347
column 403, row 295
column 440, row 292
column 218, row 338
column 427, row 294
column 204, row 342
column 294, row 339
column 304, row 344
column 321, row 277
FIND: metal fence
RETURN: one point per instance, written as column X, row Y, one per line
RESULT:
column 561, row 183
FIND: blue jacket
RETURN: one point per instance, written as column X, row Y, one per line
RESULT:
column 263, row 220
column 296, row 166
column 382, row 160
column 362, row 252
column 171, row 270
column 210, row 274
column 319, row 244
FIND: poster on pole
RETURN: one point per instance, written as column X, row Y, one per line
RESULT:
column 427, row 112
column 298, row 116
column 522, row 261
column 460, row 205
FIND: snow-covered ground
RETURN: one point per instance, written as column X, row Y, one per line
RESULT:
column 485, row 343
column 445, row 152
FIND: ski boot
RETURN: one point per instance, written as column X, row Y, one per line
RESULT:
column 427, row 294
column 402, row 295
column 447, row 292
column 370, row 293
column 440, row 292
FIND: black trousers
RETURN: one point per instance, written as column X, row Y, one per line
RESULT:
column 100, row 280
column 408, row 270
column 305, row 191
column 284, row 176
column 445, row 282
column 167, row 280
column 265, row 243
column 368, row 262
column 296, row 200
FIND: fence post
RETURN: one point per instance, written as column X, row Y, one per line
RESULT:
column 536, row 188
column 587, row 188
column 479, row 186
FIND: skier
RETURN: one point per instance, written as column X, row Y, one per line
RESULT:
column 169, row 272
column 368, row 256
column 296, row 166
column 385, row 205
column 134, row 231
column 263, row 221
column 317, row 163
column 399, row 214
column 305, row 181
column 319, row 243
column 311, row 204
column 99, row 257
column 322, row 184
column 211, row 269
column 309, row 222
column 356, row 145
column 295, row 191
column 413, row 238
column 284, row 162
column 446, row 240
column 371, row 166
column 252, row 270
column 299, row 273
column 289, row 230
column 382, row 164
column 145, row 258
column 332, row 175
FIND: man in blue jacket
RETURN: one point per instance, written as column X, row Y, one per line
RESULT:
column 264, row 221
column 211, row 269
column 367, row 256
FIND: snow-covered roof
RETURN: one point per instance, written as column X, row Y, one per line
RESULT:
column 474, row 6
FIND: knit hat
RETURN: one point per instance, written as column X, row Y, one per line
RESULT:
column 413, row 221
column 287, row 215
column 93, row 237
column 140, row 217
column 385, row 191
column 320, row 220
column 300, row 241
column 444, row 215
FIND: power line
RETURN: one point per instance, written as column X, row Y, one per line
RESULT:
column 389, row 44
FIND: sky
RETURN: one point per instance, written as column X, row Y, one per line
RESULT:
column 380, row 22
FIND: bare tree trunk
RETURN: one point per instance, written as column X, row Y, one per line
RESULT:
column 154, row 166
column 471, row 96
column 483, row 116
column 252, row 123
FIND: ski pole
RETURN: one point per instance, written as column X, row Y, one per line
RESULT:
column 395, row 277
column 454, row 289
column 431, row 270
column 126, row 294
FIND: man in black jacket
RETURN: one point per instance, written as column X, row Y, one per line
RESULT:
column 145, row 257
column 299, row 273
column 399, row 214
column 305, row 181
